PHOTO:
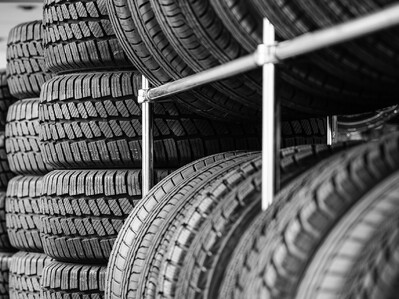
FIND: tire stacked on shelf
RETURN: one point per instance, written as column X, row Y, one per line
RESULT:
column 192, row 219
column 331, row 233
column 26, row 73
column 170, row 39
column 6, row 250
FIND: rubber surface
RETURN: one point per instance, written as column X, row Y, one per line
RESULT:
column 5, row 258
column 78, row 36
column 67, row 280
column 5, row 172
column 26, row 68
column 143, row 252
column 83, row 211
column 26, row 270
column 23, row 217
column 284, row 239
column 6, row 99
column 92, row 120
column 23, row 140
column 4, row 240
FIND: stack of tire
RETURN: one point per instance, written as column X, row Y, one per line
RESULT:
column 26, row 73
column 6, row 250
column 91, row 134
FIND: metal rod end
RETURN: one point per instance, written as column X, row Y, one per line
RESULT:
column 142, row 96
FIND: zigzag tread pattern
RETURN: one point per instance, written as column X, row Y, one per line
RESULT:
column 26, row 70
column 6, row 99
column 78, row 35
column 66, row 280
column 83, row 210
column 5, row 172
column 26, row 270
column 23, row 217
column 93, row 119
column 23, row 140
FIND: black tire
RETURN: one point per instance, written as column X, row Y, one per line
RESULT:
column 66, row 280
column 92, row 120
column 26, row 69
column 26, row 270
column 23, row 217
column 5, row 258
column 119, row 263
column 78, row 36
column 83, row 211
column 150, row 51
column 5, row 244
column 375, row 273
column 23, row 140
column 5, row 172
column 6, row 99
column 287, row 237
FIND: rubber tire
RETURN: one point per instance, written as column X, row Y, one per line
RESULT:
column 26, row 270
column 140, row 234
column 23, row 217
column 23, row 140
column 5, row 244
column 92, row 120
column 5, row 258
column 83, row 211
column 5, row 172
column 285, row 238
column 67, row 280
column 376, row 271
column 158, row 61
column 348, row 241
column 78, row 36
column 26, row 68
column 6, row 99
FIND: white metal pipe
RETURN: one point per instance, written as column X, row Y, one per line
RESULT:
column 268, row 123
column 147, row 142
column 303, row 44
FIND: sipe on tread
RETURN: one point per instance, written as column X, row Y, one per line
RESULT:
column 23, row 140
column 23, row 217
column 92, row 120
column 83, row 211
column 26, row 71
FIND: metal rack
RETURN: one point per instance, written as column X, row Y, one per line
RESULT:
column 266, row 56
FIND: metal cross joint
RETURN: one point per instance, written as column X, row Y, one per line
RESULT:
column 266, row 54
column 142, row 96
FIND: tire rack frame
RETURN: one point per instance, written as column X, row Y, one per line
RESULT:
column 266, row 56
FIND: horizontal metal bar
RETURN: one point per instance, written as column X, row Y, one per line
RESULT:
column 303, row 44
column 309, row 42
column 235, row 67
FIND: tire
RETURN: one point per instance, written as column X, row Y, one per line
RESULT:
column 159, row 62
column 5, row 244
column 83, row 211
column 23, row 218
column 375, row 272
column 5, row 258
column 78, row 36
column 6, row 99
column 5, row 172
column 26, row 270
column 23, row 140
column 151, row 228
column 26, row 69
column 118, row 263
column 288, row 237
column 66, row 280
column 101, row 127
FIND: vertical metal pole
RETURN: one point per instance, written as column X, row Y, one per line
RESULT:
column 148, row 142
column 269, row 136
column 332, row 128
